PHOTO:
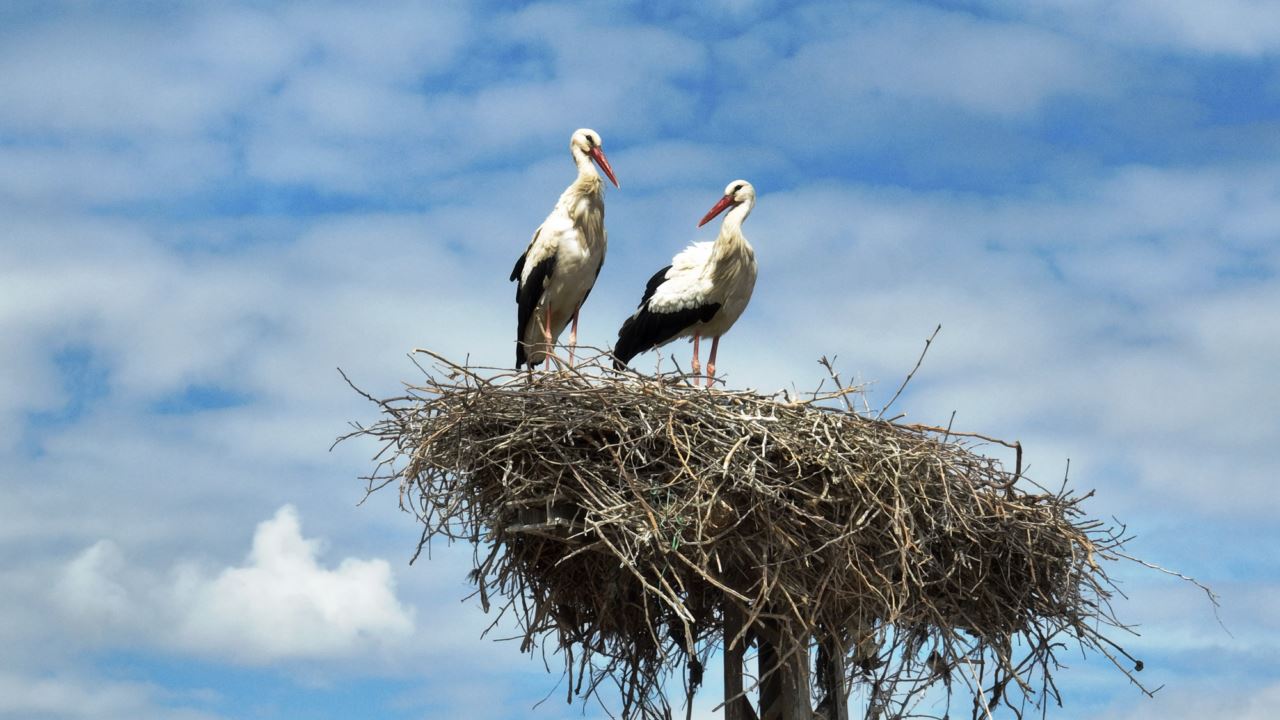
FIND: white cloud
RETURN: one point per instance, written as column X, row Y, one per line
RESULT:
column 281, row 604
column 678, row 169
column 1231, row 27
column 1175, row 616
column 182, row 72
column 1193, row 703
column 620, row 78
column 397, row 41
column 167, row 104
column 348, row 127
column 79, row 172
column 92, row 588
column 162, row 74
column 954, row 59
column 861, row 76
column 68, row 697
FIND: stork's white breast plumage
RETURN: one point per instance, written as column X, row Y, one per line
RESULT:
column 558, row 269
column 699, row 277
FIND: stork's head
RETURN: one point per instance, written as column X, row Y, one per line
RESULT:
column 587, row 143
column 736, row 193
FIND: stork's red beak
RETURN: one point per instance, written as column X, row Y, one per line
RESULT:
column 598, row 155
column 725, row 202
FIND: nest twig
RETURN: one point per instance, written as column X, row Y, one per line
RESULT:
column 620, row 519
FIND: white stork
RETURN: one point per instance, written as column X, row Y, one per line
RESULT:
column 558, row 269
column 702, row 292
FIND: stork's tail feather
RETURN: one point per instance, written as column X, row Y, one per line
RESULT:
column 528, row 295
column 630, row 343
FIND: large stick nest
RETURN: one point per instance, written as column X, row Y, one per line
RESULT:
column 616, row 518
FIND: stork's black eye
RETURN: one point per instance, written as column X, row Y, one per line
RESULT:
column 736, row 188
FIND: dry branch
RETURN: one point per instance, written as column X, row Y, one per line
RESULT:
column 620, row 518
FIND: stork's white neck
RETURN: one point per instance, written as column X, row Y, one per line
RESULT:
column 732, row 225
column 586, row 168
column 587, row 186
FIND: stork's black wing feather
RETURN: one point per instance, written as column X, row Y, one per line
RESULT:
column 519, row 268
column 652, row 286
column 646, row 329
column 528, row 293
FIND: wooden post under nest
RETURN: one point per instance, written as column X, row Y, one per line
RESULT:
column 783, row 664
column 831, row 679
column 736, row 708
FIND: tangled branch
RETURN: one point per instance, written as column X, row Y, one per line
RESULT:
column 636, row 525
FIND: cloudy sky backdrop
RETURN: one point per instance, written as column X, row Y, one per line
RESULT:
column 206, row 208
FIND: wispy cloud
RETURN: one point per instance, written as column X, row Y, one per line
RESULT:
column 1179, row 703
column 1231, row 27
column 24, row 696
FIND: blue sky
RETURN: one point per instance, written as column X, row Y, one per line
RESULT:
column 206, row 208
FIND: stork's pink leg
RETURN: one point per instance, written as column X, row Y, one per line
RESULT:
column 546, row 336
column 573, row 336
column 711, row 361
column 697, row 366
